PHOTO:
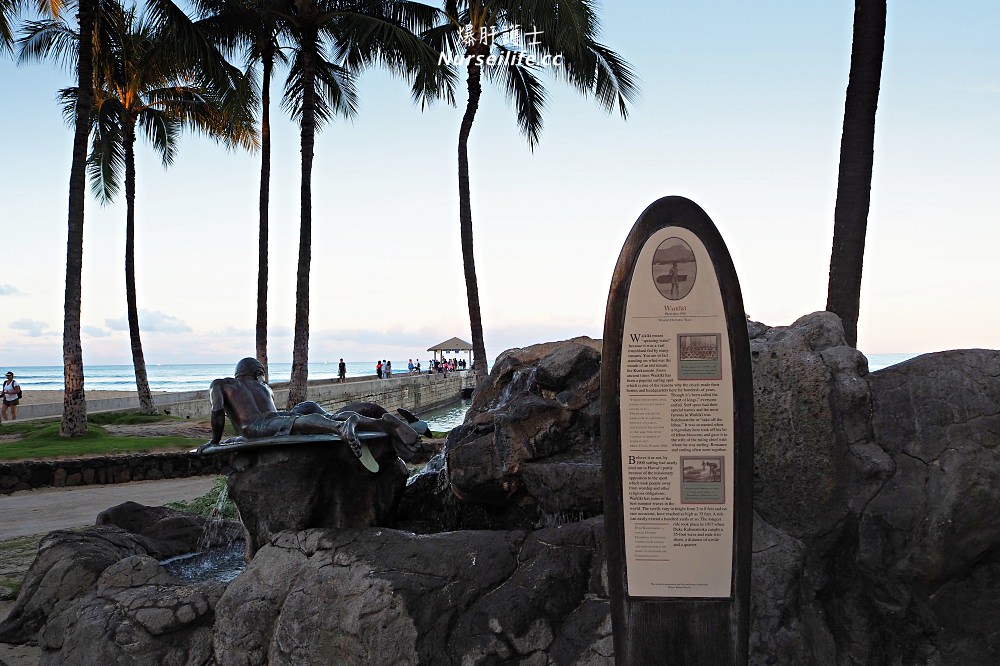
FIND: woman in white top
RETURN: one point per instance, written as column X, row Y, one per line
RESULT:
column 11, row 394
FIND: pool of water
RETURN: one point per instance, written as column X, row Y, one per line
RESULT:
column 445, row 418
column 221, row 564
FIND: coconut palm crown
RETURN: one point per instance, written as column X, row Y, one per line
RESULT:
column 513, row 43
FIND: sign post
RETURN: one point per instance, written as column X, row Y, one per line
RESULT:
column 677, row 430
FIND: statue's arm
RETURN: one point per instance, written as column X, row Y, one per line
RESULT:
column 218, row 401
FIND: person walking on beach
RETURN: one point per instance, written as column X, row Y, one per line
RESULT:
column 342, row 372
column 11, row 396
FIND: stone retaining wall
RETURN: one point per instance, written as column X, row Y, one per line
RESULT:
column 31, row 474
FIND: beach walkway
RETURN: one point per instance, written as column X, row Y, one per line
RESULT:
column 40, row 511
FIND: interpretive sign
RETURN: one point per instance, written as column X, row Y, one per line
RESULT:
column 677, row 429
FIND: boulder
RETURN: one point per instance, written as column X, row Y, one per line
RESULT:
column 382, row 596
column 298, row 486
column 531, row 437
column 67, row 566
column 144, row 616
column 69, row 563
column 876, row 495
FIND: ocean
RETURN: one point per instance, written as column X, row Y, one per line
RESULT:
column 179, row 377
column 197, row 377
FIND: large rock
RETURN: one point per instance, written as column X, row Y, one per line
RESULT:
column 68, row 564
column 876, row 540
column 389, row 597
column 528, row 453
column 298, row 486
column 143, row 616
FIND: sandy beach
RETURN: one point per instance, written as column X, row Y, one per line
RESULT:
column 31, row 397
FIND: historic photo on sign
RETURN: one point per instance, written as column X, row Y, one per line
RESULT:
column 703, row 480
column 674, row 269
column 698, row 356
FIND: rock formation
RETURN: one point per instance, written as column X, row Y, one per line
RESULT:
column 297, row 486
column 875, row 533
column 70, row 564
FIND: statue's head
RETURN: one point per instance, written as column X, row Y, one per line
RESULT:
column 249, row 367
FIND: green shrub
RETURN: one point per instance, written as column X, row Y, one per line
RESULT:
column 208, row 505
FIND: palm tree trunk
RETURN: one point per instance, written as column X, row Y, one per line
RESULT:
column 265, row 184
column 297, row 388
column 141, row 382
column 857, row 156
column 465, row 223
column 74, row 415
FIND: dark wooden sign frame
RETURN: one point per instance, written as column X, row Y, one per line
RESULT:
column 686, row 631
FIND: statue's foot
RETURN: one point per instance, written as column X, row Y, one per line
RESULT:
column 399, row 429
column 402, row 436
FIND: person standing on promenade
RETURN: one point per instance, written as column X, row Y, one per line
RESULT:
column 409, row 367
column 342, row 372
column 11, row 396
column 387, row 369
column 378, row 369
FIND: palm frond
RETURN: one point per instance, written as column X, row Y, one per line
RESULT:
column 381, row 34
column 161, row 129
column 48, row 40
column 106, row 162
column 521, row 84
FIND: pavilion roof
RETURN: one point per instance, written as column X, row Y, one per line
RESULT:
column 454, row 344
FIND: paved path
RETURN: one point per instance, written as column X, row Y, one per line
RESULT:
column 41, row 511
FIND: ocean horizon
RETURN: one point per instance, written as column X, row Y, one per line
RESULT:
column 177, row 377
column 197, row 376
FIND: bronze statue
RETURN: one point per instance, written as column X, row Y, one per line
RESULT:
column 249, row 404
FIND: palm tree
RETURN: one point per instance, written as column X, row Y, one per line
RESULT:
column 251, row 26
column 74, row 416
column 359, row 34
column 512, row 42
column 141, row 83
column 857, row 157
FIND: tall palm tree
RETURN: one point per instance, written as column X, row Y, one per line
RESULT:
column 74, row 416
column 250, row 26
column 358, row 34
column 512, row 42
column 857, row 157
column 140, row 82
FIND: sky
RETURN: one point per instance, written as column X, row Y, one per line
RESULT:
column 741, row 111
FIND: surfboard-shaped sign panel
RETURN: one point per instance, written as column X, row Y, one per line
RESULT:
column 677, row 430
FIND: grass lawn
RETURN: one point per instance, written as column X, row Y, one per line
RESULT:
column 40, row 439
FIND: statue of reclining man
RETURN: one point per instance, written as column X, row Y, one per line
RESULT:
column 249, row 404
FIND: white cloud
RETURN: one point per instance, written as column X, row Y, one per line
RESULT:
column 9, row 290
column 30, row 327
column 151, row 321
column 96, row 331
